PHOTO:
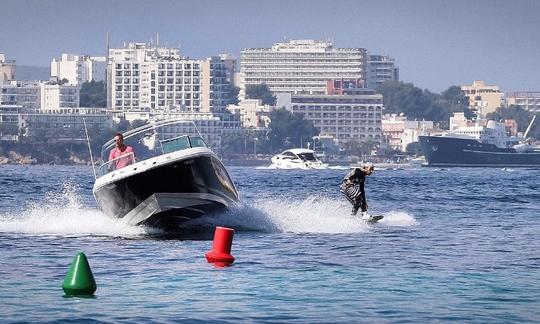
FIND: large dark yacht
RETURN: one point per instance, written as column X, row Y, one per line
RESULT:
column 488, row 145
column 173, row 177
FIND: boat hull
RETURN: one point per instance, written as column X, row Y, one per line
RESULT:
column 441, row 151
column 297, row 159
column 276, row 164
column 172, row 191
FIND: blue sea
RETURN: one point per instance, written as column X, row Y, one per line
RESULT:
column 455, row 245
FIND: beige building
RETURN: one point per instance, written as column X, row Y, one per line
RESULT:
column 528, row 100
column 253, row 114
column 483, row 97
column 7, row 69
column 400, row 132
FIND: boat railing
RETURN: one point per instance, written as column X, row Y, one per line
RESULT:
column 152, row 140
column 116, row 164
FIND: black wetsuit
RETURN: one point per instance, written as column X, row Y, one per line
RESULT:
column 354, row 192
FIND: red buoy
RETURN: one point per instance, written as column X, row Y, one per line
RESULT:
column 220, row 254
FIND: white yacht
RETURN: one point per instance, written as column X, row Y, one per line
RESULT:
column 297, row 158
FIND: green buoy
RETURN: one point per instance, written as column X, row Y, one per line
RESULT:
column 79, row 280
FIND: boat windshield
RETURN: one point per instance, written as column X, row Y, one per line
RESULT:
column 152, row 140
column 307, row 156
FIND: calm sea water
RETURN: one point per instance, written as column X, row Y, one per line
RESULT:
column 455, row 245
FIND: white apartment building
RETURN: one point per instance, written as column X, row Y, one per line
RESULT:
column 7, row 69
column 142, row 77
column 147, row 78
column 483, row 97
column 54, row 96
column 380, row 68
column 528, row 100
column 78, row 69
column 39, row 95
column 300, row 66
column 253, row 114
column 344, row 117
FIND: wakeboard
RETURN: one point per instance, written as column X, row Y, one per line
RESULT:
column 374, row 219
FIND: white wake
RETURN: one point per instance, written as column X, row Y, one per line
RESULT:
column 64, row 214
column 312, row 215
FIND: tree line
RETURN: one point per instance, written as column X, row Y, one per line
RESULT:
column 417, row 104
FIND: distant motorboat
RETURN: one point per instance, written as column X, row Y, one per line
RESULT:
column 297, row 158
column 418, row 161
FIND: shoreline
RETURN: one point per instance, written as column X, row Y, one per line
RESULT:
column 27, row 160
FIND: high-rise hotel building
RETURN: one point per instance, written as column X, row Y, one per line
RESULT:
column 300, row 66
column 153, row 82
column 142, row 77
column 146, row 78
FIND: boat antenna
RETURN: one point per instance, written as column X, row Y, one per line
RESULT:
column 529, row 128
column 89, row 148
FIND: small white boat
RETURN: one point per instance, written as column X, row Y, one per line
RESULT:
column 297, row 158
column 418, row 161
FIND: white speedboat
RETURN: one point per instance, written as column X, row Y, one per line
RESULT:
column 417, row 161
column 174, row 177
column 297, row 158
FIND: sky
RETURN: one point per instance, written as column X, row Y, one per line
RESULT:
column 435, row 43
